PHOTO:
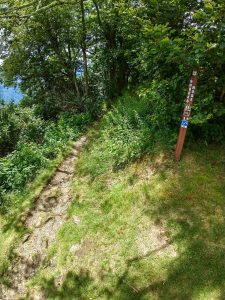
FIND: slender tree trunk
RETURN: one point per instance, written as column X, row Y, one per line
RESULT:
column 76, row 87
column 111, row 47
column 222, row 95
column 84, row 47
column 73, row 72
column 113, row 64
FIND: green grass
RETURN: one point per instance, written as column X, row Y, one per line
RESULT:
column 153, row 229
column 141, row 226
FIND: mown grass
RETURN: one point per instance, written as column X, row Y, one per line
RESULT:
column 152, row 229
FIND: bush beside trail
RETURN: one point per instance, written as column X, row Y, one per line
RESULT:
column 28, row 144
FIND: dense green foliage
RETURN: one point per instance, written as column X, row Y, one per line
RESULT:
column 78, row 54
column 18, row 126
column 137, row 124
column 28, row 144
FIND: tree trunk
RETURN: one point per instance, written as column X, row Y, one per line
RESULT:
column 74, row 78
column 111, row 47
column 84, row 47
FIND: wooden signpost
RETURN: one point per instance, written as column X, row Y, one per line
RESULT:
column 186, row 114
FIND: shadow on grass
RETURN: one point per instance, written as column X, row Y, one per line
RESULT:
column 73, row 287
column 192, row 210
column 82, row 287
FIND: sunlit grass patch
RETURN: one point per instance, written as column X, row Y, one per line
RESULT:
column 151, row 230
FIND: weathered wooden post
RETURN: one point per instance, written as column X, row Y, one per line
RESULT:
column 186, row 114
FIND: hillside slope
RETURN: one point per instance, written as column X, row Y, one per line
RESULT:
column 140, row 226
column 152, row 229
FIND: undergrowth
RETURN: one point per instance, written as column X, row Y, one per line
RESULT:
column 135, row 126
column 30, row 144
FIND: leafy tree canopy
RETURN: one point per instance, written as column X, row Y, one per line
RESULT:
column 77, row 54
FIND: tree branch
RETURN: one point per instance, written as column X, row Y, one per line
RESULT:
column 39, row 9
column 98, row 13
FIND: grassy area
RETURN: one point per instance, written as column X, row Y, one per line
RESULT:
column 152, row 229
column 141, row 226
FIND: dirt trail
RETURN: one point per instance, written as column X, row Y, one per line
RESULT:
column 43, row 222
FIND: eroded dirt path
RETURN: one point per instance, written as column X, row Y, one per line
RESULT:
column 43, row 222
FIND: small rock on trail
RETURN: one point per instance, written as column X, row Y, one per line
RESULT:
column 44, row 221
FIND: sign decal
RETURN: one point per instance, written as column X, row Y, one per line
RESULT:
column 184, row 124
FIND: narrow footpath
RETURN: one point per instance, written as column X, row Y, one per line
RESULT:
column 43, row 223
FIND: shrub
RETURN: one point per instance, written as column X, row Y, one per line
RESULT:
column 132, row 128
column 140, row 121
column 20, row 167
column 18, row 125
column 31, row 143
column 126, row 137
